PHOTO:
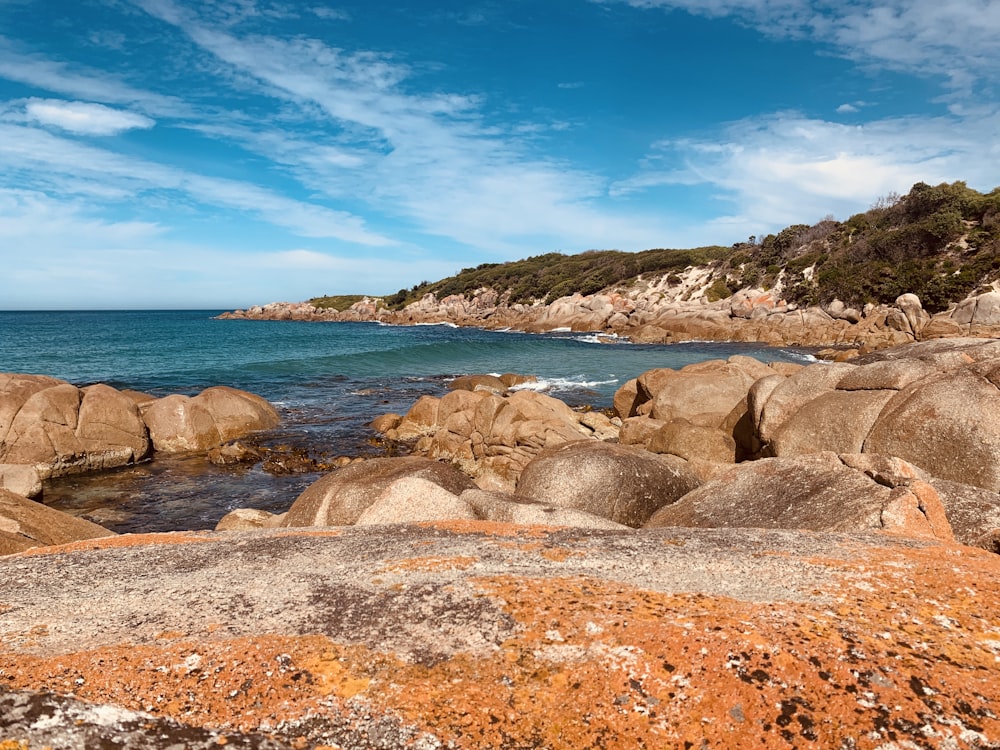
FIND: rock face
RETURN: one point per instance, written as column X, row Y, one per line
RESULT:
column 341, row 497
column 60, row 429
column 479, row 635
column 25, row 524
column 624, row 484
column 820, row 492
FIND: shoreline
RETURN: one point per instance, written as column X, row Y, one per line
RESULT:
column 749, row 316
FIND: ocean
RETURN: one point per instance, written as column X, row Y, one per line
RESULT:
column 328, row 380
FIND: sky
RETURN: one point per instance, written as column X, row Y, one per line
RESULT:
column 224, row 153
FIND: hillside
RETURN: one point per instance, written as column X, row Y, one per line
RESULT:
column 941, row 243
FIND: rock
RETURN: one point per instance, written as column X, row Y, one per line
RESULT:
column 703, row 393
column 974, row 513
column 622, row 483
column 61, row 429
column 339, row 498
column 484, row 635
column 237, row 413
column 982, row 310
column 627, row 399
column 816, row 492
column 836, row 420
column 217, row 415
column 386, row 422
column 490, row 383
column 502, row 507
column 916, row 317
column 20, row 479
column 244, row 519
column 639, row 430
column 412, row 500
column 234, row 453
column 179, row 423
column 25, row 524
column 512, row 380
column 678, row 437
column 420, row 420
column 786, row 397
column 948, row 424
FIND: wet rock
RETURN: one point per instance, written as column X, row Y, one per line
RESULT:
column 234, row 453
column 25, row 524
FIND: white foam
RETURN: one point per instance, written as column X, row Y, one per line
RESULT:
column 440, row 323
column 562, row 384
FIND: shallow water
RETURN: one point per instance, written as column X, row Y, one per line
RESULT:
column 328, row 380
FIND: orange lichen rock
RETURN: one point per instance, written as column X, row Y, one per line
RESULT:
column 674, row 638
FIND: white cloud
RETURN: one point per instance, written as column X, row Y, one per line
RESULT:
column 330, row 14
column 85, row 118
column 83, row 83
column 847, row 109
column 56, row 163
column 787, row 169
column 428, row 158
column 958, row 39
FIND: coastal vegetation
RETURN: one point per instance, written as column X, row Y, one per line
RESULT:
column 940, row 242
column 338, row 302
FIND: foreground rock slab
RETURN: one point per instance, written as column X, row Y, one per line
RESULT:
column 479, row 635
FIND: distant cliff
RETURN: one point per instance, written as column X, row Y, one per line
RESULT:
column 922, row 265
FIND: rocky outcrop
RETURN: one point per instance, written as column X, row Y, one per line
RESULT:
column 821, row 492
column 933, row 404
column 25, row 524
column 55, row 428
column 622, row 483
column 674, row 308
column 481, row 635
column 343, row 496
column 492, row 437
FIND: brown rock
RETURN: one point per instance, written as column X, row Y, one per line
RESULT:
column 25, row 524
column 836, row 420
column 386, row 422
column 678, row 437
column 109, row 421
column 20, row 479
column 511, row 379
column 420, row 420
column 233, row 453
column 639, row 430
column 974, row 513
column 622, row 483
column 627, row 399
column 503, row 507
column 237, row 413
column 490, row 383
column 339, row 498
column 245, row 519
column 180, row 423
column 816, row 492
column 413, row 500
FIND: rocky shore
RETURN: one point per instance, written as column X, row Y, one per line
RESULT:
column 669, row 310
column 739, row 554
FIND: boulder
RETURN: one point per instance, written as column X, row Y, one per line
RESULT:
column 503, row 507
column 215, row 416
column 678, row 437
column 817, row 492
column 622, row 483
column 420, row 420
column 413, row 500
column 339, row 498
column 974, row 513
column 386, row 422
column 179, row 423
column 244, row 519
column 948, row 424
column 639, row 430
column 234, row 453
column 789, row 395
column 490, row 383
column 21, row 479
column 627, row 399
column 25, row 524
column 61, row 429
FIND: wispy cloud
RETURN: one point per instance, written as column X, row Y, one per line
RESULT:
column 958, row 39
column 59, row 165
column 429, row 157
column 83, row 117
column 786, row 168
column 83, row 83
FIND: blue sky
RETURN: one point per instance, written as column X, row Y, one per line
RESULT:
column 164, row 153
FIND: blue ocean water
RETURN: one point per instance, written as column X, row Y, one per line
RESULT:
column 327, row 379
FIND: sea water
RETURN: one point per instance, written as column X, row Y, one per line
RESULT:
column 328, row 381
